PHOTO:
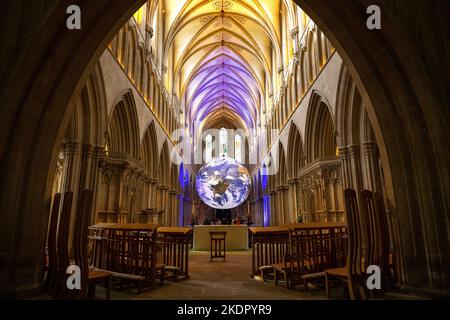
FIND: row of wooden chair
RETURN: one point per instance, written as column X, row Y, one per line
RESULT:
column 141, row 253
column 312, row 249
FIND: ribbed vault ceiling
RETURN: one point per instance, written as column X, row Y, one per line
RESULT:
column 224, row 53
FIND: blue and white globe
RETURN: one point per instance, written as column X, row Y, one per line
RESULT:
column 223, row 183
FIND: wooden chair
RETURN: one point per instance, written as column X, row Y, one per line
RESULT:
column 62, row 247
column 90, row 277
column 353, row 272
column 295, row 260
column 52, row 272
column 378, row 248
column 217, row 242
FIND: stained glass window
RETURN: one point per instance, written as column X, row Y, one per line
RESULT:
column 223, row 138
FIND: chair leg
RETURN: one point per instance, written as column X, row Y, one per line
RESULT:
column 286, row 279
column 91, row 291
column 162, row 275
column 108, row 288
column 275, row 276
column 327, row 286
column 351, row 290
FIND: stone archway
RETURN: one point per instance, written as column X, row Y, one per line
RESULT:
column 397, row 76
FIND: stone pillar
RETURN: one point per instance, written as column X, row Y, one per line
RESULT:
column 179, row 211
column 99, row 156
column 371, row 173
column 273, row 208
column 71, row 157
column 346, row 171
column 354, row 153
column 295, row 37
column 172, row 206
column 71, row 149
column 293, row 199
column 153, row 193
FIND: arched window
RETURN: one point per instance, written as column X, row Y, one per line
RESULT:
column 238, row 148
column 223, row 138
column 208, row 148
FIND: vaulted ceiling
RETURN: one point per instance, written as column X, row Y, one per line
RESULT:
column 222, row 55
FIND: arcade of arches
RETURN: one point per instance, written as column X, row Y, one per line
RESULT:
column 299, row 110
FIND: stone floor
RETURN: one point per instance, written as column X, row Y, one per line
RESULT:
column 218, row 280
column 228, row 280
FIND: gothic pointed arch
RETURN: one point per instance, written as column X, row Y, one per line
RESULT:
column 320, row 130
column 149, row 150
column 124, row 127
column 296, row 154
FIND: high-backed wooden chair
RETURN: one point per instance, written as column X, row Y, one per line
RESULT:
column 378, row 247
column 89, row 278
column 353, row 272
column 62, row 247
column 52, row 273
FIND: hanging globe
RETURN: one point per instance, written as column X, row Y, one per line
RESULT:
column 223, row 183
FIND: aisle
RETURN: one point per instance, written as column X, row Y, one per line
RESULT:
column 222, row 280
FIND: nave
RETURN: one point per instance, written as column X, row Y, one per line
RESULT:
column 340, row 132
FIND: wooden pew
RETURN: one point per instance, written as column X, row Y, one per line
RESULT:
column 269, row 247
column 173, row 252
column 313, row 247
column 128, row 251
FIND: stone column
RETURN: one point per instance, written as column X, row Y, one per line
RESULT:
column 71, row 149
column 295, row 37
column 293, row 199
column 354, row 153
column 99, row 156
column 273, row 208
column 371, row 173
column 346, row 173
column 179, row 210
column 71, row 179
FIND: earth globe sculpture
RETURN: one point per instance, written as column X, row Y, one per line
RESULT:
column 223, row 183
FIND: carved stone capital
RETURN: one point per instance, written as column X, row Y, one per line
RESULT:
column 294, row 32
column 150, row 31
column 88, row 151
column 354, row 151
column 71, row 147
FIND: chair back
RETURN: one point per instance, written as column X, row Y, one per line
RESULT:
column 354, row 229
column 52, row 243
column 80, row 238
column 63, row 244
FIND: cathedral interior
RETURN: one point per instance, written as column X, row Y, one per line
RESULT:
column 342, row 130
